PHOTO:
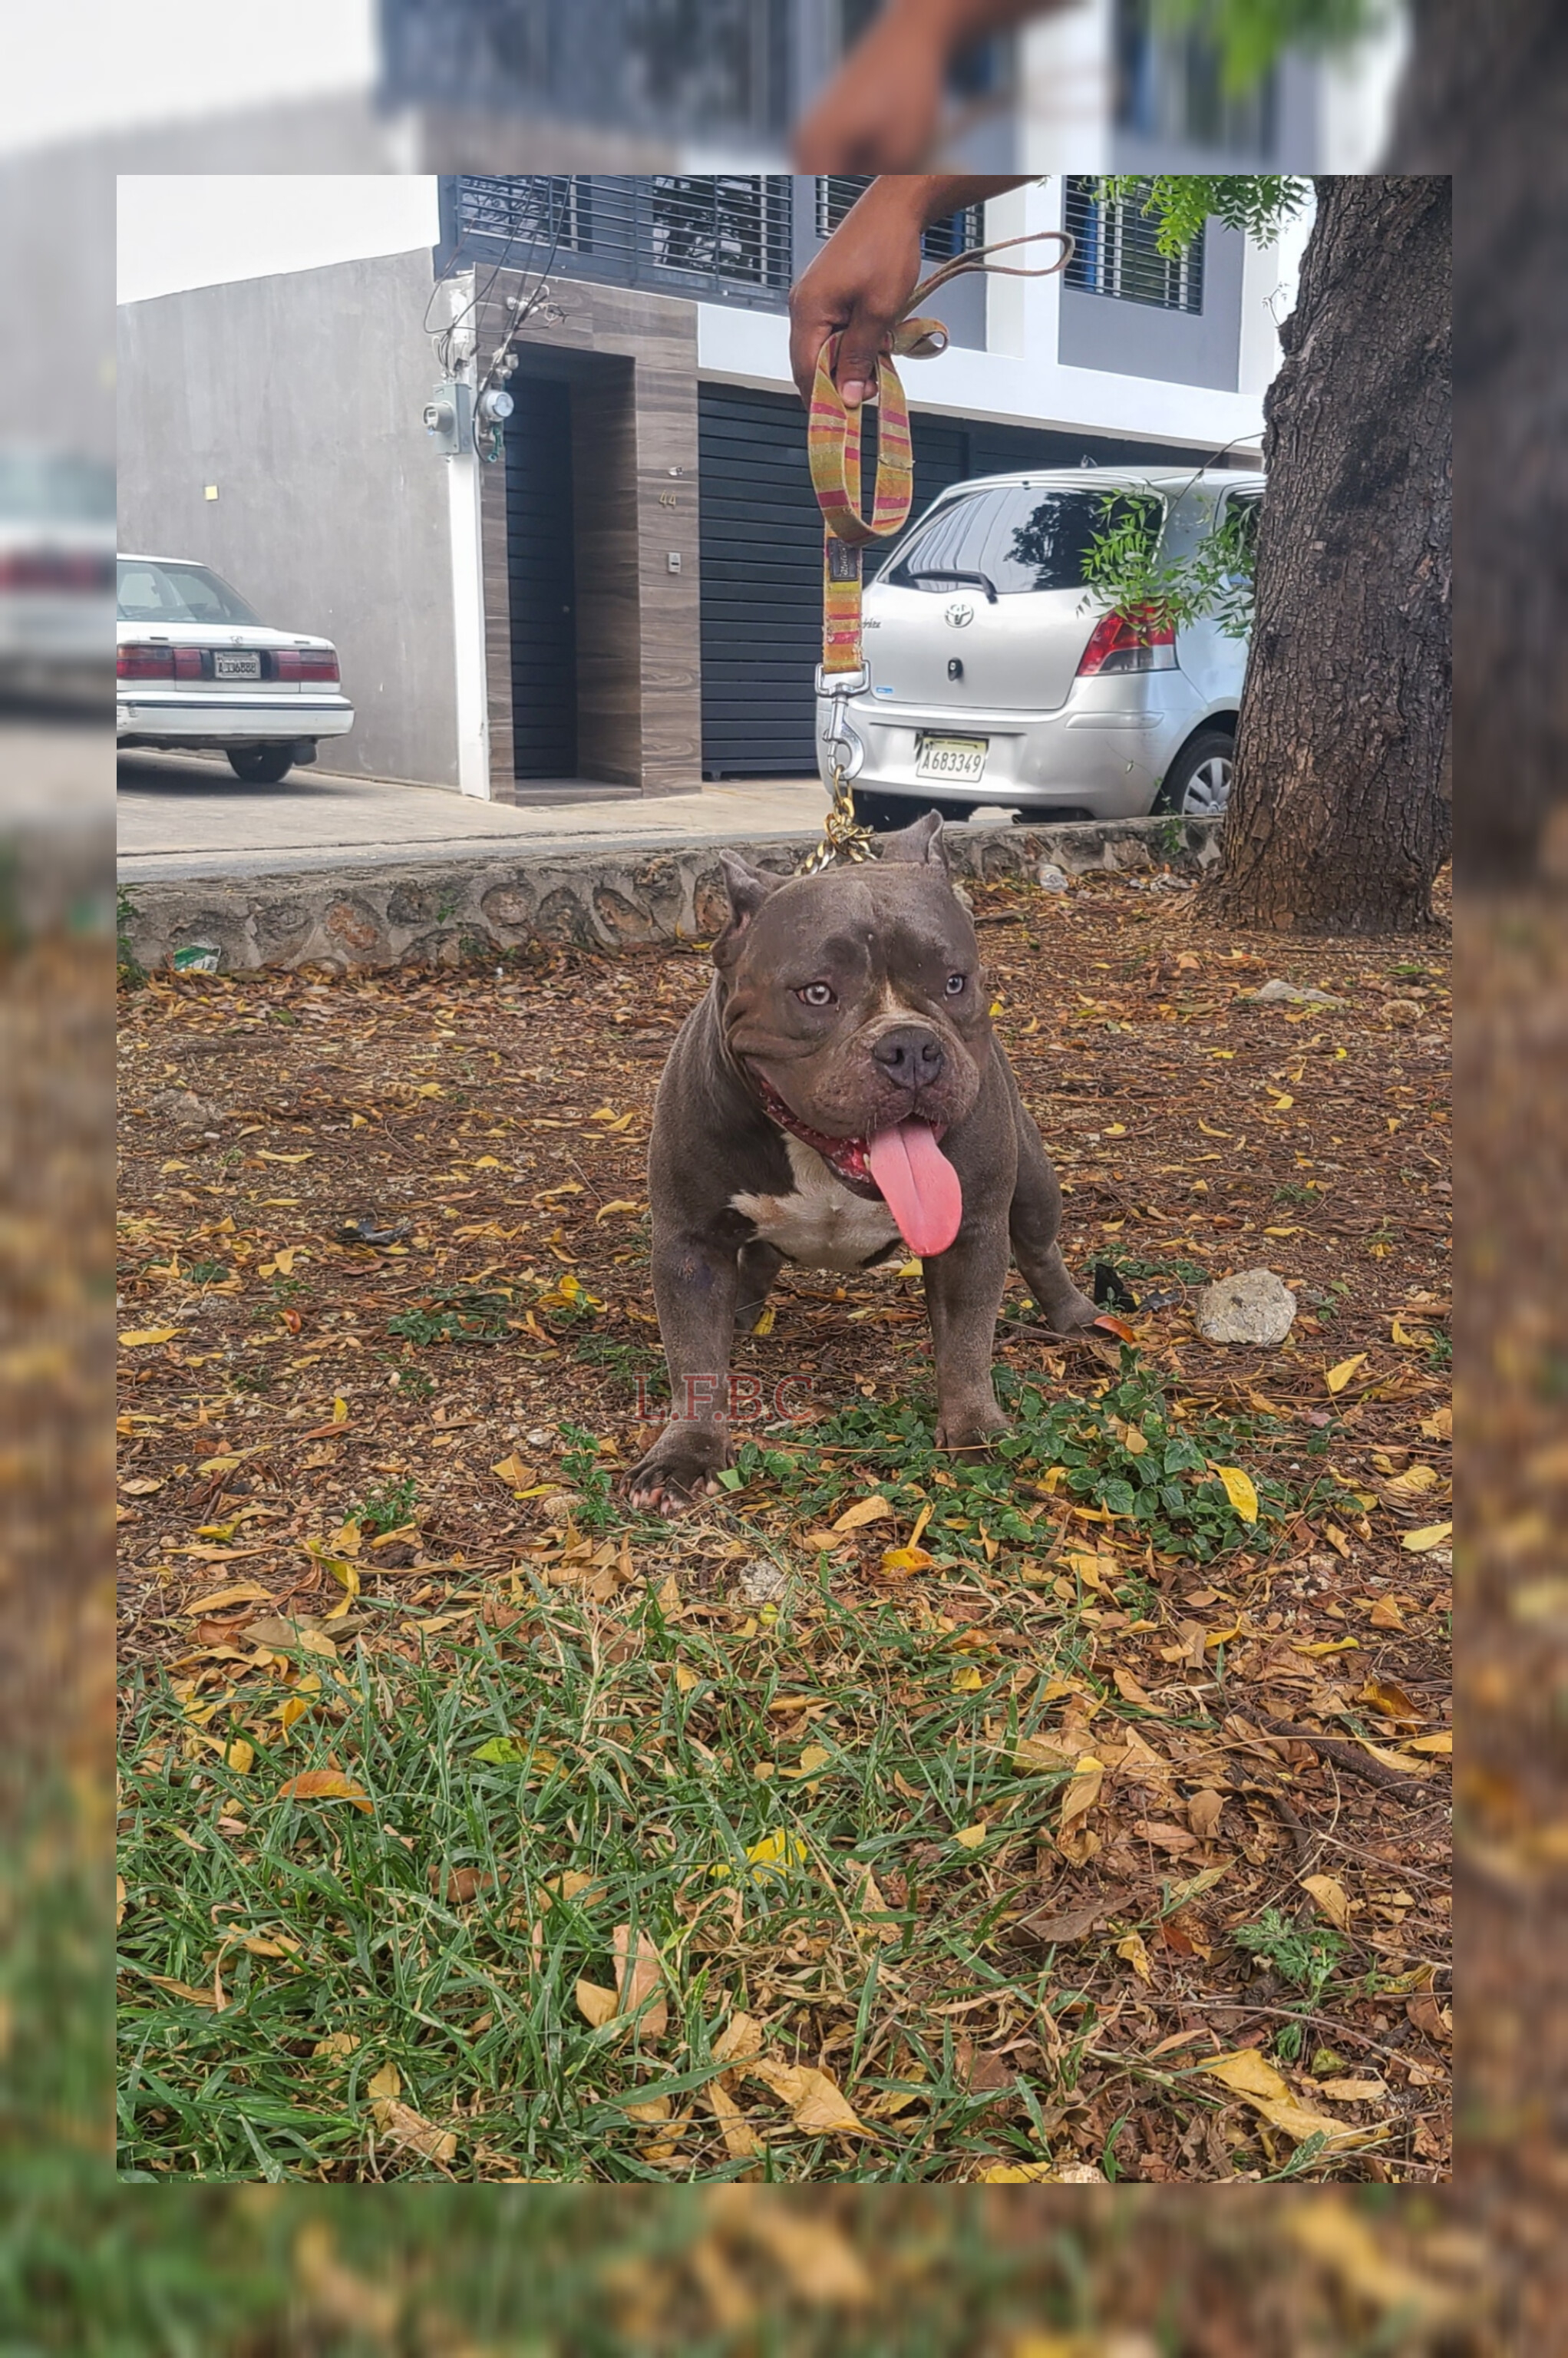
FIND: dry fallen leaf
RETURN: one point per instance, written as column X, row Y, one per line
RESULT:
column 899, row 1562
column 1163, row 1835
column 1331, row 1897
column 324, row 1785
column 1250, row 2077
column 596, row 2003
column 642, row 1981
column 1127, row 1687
column 403, row 2126
column 1338, row 1378
column 740, row 2038
column 971, row 1837
column 865, row 1511
column 1240, row 1491
column 1137, row 1955
column 815, row 2100
column 740, row 2140
column 1431, row 1536
column 1203, row 1810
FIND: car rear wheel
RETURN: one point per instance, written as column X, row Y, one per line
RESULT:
column 1197, row 784
column 885, row 814
column 262, row 765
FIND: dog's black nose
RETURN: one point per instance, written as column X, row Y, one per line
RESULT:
column 910, row 1056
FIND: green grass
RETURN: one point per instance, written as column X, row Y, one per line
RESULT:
column 1167, row 1490
column 455, row 1314
column 605, row 1738
column 643, row 1781
column 388, row 1507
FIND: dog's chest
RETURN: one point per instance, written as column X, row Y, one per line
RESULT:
column 820, row 1223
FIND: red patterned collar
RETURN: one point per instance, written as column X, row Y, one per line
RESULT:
column 846, row 1156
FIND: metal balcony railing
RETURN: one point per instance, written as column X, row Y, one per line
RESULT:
column 710, row 233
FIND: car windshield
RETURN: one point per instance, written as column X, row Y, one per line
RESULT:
column 150, row 592
column 1018, row 537
column 50, row 487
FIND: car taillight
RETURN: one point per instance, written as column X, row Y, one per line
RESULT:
column 1120, row 643
column 307, row 662
column 188, row 663
column 144, row 663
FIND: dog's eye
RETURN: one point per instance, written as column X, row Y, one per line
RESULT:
column 955, row 985
column 817, row 995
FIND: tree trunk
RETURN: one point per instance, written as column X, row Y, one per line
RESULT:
column 1485, row 98
column 1338, row 819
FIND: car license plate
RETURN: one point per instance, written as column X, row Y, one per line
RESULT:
column 236, row 667
column 962, row 759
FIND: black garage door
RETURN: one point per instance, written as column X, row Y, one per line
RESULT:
column 540, row 577
column 761, row 559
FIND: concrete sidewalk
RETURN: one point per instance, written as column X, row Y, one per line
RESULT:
column 184, row 816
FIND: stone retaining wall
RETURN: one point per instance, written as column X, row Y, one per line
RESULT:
column 443, row 912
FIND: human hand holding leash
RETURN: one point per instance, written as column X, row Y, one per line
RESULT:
column 862, row 279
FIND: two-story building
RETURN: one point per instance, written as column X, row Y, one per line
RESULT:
column 616, row 591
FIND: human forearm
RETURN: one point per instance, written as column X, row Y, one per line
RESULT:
column 865, row 275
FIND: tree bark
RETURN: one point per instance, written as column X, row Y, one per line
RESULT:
column 1338, row 818
column 1485, row 98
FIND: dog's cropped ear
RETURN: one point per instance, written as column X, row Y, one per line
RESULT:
column 747, row 888
column 917, row 846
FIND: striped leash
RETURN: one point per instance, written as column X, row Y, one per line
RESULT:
column 833, row 444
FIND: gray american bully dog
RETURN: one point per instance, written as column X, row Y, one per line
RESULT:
column 840, row 1100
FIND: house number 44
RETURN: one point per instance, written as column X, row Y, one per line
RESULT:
column 667, row 499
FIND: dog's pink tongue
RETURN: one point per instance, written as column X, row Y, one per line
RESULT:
column 919, row 1185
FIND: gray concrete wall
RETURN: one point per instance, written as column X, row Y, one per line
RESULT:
column 300, row 397
column 1102, row 331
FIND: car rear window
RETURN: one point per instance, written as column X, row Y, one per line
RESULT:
column 1019, row 539
column 176, row 593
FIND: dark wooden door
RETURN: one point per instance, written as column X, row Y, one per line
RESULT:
column 540, row 572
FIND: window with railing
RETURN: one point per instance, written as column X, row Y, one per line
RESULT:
column 701, row 233
column 958, row 232
column 1116, row 252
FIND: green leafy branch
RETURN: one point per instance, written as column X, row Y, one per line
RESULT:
column 1126, row 573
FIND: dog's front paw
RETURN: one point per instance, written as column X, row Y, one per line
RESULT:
column 683, row 1463
column 970, row 1429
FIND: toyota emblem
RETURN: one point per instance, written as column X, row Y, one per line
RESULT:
column 959, row 612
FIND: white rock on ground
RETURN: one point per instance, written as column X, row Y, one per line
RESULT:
column 760, row 1583
column 1287, row 994
column 1253, row 1307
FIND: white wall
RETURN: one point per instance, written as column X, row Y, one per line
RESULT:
column 1024, row 385
column 179, row 231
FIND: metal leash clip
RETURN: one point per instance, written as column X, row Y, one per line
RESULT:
column 843, row 836
column 838, row 687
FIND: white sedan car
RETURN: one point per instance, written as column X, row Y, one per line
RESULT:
column 194, row 669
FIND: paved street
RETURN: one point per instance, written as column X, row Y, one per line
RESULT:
column 180, row 816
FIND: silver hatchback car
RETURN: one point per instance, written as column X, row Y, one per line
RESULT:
column 995, row 679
